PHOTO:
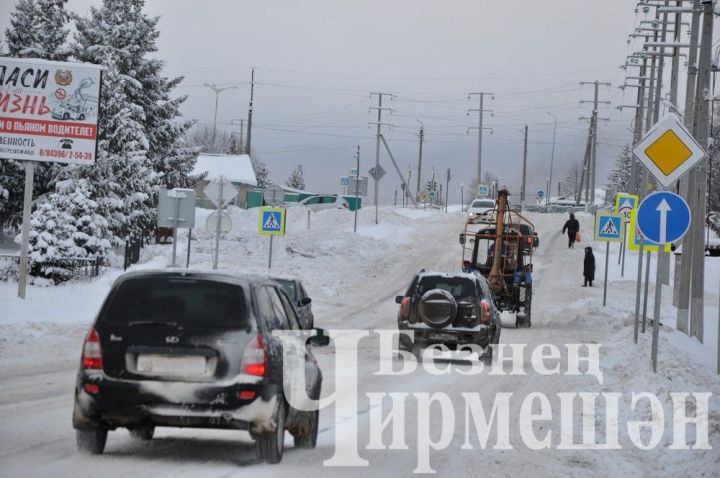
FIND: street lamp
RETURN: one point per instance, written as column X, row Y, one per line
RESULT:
column 552, row 160
column 217, row 95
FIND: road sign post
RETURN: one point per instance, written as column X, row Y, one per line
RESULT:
column 663, row 217
column 271, row 222
column 176, row 209
column 624, row 204
column 219, row 191
column 609, row 227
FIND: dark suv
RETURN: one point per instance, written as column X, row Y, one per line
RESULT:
column 451, row 309
column 195, row 349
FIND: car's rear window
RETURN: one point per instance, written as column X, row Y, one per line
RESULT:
column 461, row 288
column 182, row 301
column 483, row 204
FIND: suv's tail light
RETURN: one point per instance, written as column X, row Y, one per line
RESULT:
column 405, row 308
column 92, row 352
column 254, row 357
column 484, row 311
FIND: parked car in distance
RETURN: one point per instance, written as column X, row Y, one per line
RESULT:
column 300, row 299
column 480, row 208
column 196, row 349
column 453, row 309
column 325, row 201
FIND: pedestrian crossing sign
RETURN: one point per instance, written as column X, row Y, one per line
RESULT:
column 271, row 221
column 609, row 227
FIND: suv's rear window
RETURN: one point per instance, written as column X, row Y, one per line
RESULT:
column 181, row 301
column 461, row 288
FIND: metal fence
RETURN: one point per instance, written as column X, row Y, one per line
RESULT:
column 60, row 270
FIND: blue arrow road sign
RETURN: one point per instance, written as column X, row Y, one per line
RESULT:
column 663, row 217
column 541, row 193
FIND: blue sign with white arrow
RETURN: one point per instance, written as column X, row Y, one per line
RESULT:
column 663, row 217
column 540, row 193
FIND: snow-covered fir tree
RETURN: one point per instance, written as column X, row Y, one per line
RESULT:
column 38, row 30
column 65, row 225
column 262, row 173
column 296, row 180
column 619, row 180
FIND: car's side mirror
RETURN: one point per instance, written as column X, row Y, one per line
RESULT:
column 319, row 339
column 398, row 299
column 305, row 301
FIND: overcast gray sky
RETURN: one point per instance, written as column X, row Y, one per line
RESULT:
column 317, row 61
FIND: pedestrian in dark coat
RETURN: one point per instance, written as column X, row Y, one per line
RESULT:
column 572, row 226
column 589, row 267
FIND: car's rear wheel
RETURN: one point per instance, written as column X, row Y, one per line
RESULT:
column 488, row 355
column 91, row 440
column 309, row 438
column 269, row 447
column 142, row 433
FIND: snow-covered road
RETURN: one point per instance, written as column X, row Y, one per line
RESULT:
column 37, row 374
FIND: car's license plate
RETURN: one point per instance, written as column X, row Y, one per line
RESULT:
column 443, row 337
column 171, row 365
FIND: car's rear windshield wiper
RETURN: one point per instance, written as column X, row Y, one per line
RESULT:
column 152, row 322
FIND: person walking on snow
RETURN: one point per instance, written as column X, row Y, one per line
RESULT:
column 572, row 226
column 589, row 267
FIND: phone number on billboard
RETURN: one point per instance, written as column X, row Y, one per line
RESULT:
column 59, row 153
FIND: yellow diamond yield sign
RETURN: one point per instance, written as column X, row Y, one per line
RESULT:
column 668, row 150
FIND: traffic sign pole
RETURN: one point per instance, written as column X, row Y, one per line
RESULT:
column 656, row 306
column 607, row 261
column 645, row 293
column 637, row 291
column 217, row 229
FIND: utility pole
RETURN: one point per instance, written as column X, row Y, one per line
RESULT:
column 379, row 124
column 552, row 160
column 479, row 127
column 240, row 122
column 522, row 190
column 419, row 173
column 217, row 95
column 250, row 111
column 593, row 150
column 697, row 228
column 687, row 184
column 447, row 188
column 357, row 185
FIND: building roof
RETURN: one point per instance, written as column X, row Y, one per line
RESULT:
column 237, row 168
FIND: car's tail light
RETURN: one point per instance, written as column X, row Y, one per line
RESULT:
column 254, row 357
column 484, row 311
column 405, row 308
column 92, row 352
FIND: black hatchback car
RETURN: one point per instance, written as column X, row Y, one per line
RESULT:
column 195, row 349
column 453, row 309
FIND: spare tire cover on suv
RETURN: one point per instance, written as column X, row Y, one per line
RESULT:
column 437, row 308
